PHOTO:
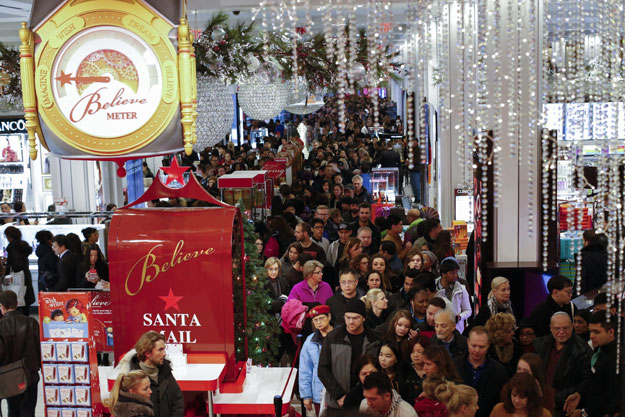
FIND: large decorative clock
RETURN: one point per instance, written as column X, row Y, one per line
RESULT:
column 107, row 80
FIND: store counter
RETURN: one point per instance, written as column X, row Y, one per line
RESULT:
column 260, row 388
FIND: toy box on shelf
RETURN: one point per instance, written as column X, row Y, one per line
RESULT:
column 68, row 353
column 569, row 217
column 460, row 236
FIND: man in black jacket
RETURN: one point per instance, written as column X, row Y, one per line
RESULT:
column 484, row 374
column 446, row 334
column 560, row 292
column 341, row 347
column 594, row 262
column 67, row 270
column 149, row 356
column 401, row 299
column 364, row 220
column 566, row 358
column 604, row 390
column 338, row 302
column 19, row 339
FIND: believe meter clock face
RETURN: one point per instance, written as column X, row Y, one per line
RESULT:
column 107, row 82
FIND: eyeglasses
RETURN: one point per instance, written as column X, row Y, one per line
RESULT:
column 347, row 282
column 320, row 272
column 318, row 227
column 560, row 329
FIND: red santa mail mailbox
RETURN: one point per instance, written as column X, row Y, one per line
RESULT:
column 173, row 271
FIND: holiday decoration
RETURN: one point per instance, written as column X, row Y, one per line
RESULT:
column 216, row 112
column 224, row 52
column 10, row 85
column 174, row 172
column 262, row 327
column 263, row 101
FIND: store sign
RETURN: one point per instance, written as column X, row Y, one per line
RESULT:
column 276, row 170
column 107, row 81
column 12, row 126
column 173, row 277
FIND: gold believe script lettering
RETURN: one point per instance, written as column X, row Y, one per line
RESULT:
column 149, row 269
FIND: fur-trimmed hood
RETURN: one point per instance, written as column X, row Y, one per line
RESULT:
column 132, row 405
column 124, row 365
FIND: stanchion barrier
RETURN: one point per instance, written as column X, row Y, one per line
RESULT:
column 278, row 398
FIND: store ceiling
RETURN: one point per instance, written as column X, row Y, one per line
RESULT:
column 13, row 12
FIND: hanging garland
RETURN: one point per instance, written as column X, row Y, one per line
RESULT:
column 227, row 53
column 10, row 84
column 235, row 53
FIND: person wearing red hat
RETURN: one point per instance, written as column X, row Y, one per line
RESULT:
column 310, row 386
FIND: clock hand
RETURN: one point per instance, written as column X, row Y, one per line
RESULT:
column 67, row 79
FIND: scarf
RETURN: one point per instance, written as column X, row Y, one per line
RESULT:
column 505, row 353
column 152, row 371
column 495, row 307
column 395, row 401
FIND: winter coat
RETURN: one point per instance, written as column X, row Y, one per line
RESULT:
column 310, row 385
column 572, row 372
column 540, row 317
column 301, row 291
column 605, row 388
column 293, row 316
column 488, row 386
column 594, row 267
column 166, row 395
column 132, row 405
column 17, row 260
column 47, row 262
column 459, row 300
column 282, row 289
column 335, row 362
column 337, row 304
column 458, row 346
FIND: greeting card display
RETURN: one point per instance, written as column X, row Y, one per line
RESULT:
column 69, row 355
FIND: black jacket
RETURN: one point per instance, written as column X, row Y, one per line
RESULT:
column 572, row 372
column 19, row 338
column 337, row 304
column 541, row 315
column 458, row 346
column 47, row 265
column 399, row 301
column 283, row 289
column 488, row 386
column 132, row 405
column 605, row 387
column 376, row 235
column 594, row 267
column 66, row 272
column 166, row 395
column 17, row 260
column 101, row 268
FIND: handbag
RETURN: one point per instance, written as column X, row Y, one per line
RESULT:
column 13, row 379
column 15, row 282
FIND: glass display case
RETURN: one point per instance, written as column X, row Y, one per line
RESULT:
column 254, row 188
column 384, row 184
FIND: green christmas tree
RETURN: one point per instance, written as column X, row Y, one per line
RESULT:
column 262, row 328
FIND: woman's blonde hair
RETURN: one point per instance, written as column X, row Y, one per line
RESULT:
column 499, row 325
column 495, row 283
column 124, row 382
column 455, row 396
column 271, row 262
column 371, row 297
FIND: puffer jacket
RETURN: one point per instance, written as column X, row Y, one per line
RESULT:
column 459, row 300
column 166, row 395
column 310, row 385
column 335, row 362
column 573, row 372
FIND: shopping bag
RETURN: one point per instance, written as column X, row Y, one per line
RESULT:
column 15, row 282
